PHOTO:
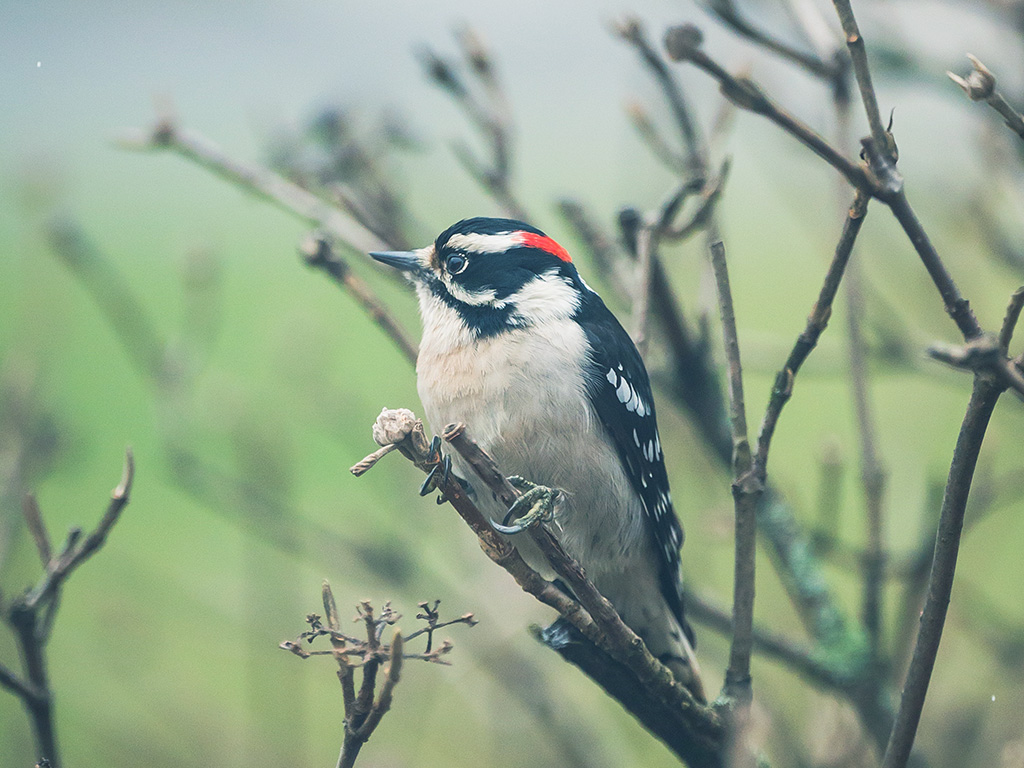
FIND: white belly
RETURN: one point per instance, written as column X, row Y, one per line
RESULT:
column 523, row 402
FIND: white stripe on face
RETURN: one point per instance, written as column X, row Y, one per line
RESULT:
column 545, row 298
column 477, row 243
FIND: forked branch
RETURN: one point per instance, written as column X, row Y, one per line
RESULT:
column 693, row 731
column 31, row 615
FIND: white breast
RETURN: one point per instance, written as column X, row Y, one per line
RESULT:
column 523, row 399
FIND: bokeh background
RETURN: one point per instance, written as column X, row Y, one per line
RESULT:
column 246, row 384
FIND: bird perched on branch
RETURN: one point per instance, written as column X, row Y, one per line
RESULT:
column 518, row 347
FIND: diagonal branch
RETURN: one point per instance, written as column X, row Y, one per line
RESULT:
column 269, row 186
column 808, row 339
column 168, row 136
column 696, row 733
column 984, row 395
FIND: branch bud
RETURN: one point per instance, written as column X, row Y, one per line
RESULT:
column 683, row 41
column 980, row 84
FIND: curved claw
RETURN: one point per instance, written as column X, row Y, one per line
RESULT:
column 446, row 465
column 434, row 481
column 430, row 483
column 539, row 501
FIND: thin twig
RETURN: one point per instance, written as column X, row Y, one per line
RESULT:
column 80, row 551
column 31, row 615
column 1013, row 310
column 861, row 70
column 607, row 258
column 894, row 195
column 816, row 324
column 746, row 488
column 632, row 31
column 683, row 44
column 317, row 252
column 831, row 69
column 292, row 198
column 982, row 354
column 773, row 645
column 872, row 474
column 491, row 118
column 262, row 182
column 120, row 306
column 980, row 85
column 984, row 395
column 36, row 526
column 23, row 689
column 883, row 182
column 649, row 135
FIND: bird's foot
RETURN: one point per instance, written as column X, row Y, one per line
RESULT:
column 535, row 506
column 437, row 478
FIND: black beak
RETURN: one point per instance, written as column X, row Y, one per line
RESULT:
column 406, row 261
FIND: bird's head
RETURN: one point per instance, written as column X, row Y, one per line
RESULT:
column 494, row 274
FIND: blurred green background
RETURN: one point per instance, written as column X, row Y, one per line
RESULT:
column 263, row 379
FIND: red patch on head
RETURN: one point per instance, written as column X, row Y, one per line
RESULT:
column 544, row 243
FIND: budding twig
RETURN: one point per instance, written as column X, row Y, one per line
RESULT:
column 980, row 85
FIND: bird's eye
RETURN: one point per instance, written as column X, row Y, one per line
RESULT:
column 455, row 263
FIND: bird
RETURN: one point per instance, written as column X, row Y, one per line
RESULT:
column 519, row 348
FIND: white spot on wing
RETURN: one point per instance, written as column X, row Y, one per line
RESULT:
column 623, row 392
column 612, row 378
column 634, row 401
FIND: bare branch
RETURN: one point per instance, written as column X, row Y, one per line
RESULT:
column 894, row 195
column 832, row 70
column 490, row 116
column 940, row 583
column 872, row 474
column 34, row 520
column 1013, row 310
column 698, row 732
column 606, row 256
column 76, row 552
column 317, row 252
column 166, row 135
column 683, row 44
column 858, row 54
column 746, row 489
column 31, row 615
column 982, row 354
column 883, row 182
column 808, row 339
column 980, row 85
column 23, row 689
column 773, row 645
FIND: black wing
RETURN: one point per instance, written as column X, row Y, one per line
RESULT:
column 620, row 391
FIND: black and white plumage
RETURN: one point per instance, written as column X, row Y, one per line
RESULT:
column 517, row 346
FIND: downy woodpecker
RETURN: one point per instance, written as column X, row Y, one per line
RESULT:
column 518, row 347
